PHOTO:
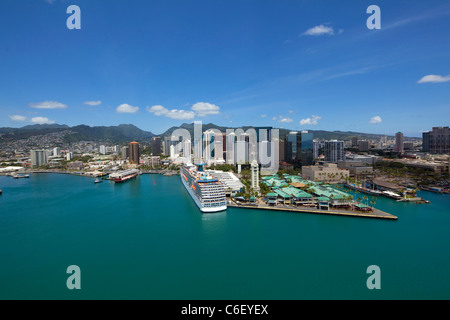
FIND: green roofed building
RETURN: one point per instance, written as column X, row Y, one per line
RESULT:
column 274, row 182
column 296, row 193
column 337, row 197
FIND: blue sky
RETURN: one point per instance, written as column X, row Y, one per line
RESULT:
column 294, row 64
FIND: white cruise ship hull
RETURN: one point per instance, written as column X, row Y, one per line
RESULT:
column 199, row 204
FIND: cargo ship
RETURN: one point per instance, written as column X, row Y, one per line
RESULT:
column 125, row 175
column 207, row 192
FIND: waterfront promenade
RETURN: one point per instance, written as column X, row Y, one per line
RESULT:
column 375, row 213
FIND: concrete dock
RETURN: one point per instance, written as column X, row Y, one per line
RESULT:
column 376, row 214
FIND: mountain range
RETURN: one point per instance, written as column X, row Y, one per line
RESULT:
column 127, row 132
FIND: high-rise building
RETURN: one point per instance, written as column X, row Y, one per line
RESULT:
column 166, row 145
column 156, row 145
column 220, row 146
column 264, row 135
column 436, row 141
column 354, row 141
column 426, row 141
column 187, row 149
column 38, row 157
column 334, row 151
column 363, row 145
column 208, row 140
column 398, row 147
column 231, row 138
column 125, row 152
column 241, row 152
column 408, row 145
column 133, row 150
column 292, row 148
column 69, row 156
column 298, row 148
column 281, row 150
column 172, row 152
column 316, row 147
column 307, row 155
column 103, row 149
column 57, row 151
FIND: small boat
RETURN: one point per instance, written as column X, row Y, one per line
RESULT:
column 98, row 181
column 1, row 191
column 17, row 176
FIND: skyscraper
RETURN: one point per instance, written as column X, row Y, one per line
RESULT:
column 307, row 156
column 208, row 140
column 187, row 149
column 363, row 145
column 125, row 152
column 156, row 145
column 398, row 147
column 231, row 138
column 133, row 151
column 436, row 141
column 292, row 148
column 38, row 158
column 316, row 147
column 298, row 148
column 334, row 150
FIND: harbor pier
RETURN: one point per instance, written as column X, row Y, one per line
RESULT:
column 374, row 213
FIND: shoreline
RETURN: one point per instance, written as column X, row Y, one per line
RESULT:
column 86, row 174
column 374, row 214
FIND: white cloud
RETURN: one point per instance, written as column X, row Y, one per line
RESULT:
column 205, row 109
column 48, row 105
column 159, row 110
column 42, row 120
column 18, row 118
column 434, row 79
column 126, row 108
column 285, row 119
column 263, row 115
column 320, row 30
column 93, row 103
column 376, row 119
column 200, row 109
column 282, row 119
column 310, row 121
column 180, row 114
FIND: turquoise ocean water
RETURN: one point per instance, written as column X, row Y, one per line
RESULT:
column 146, row 239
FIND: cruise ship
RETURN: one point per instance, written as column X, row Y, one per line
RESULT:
column 207, row 192
column 122, row 176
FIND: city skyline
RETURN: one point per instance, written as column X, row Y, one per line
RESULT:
column 300, row 66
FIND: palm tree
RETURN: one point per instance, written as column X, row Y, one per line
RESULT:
column 372, row 202
column 365, row 198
